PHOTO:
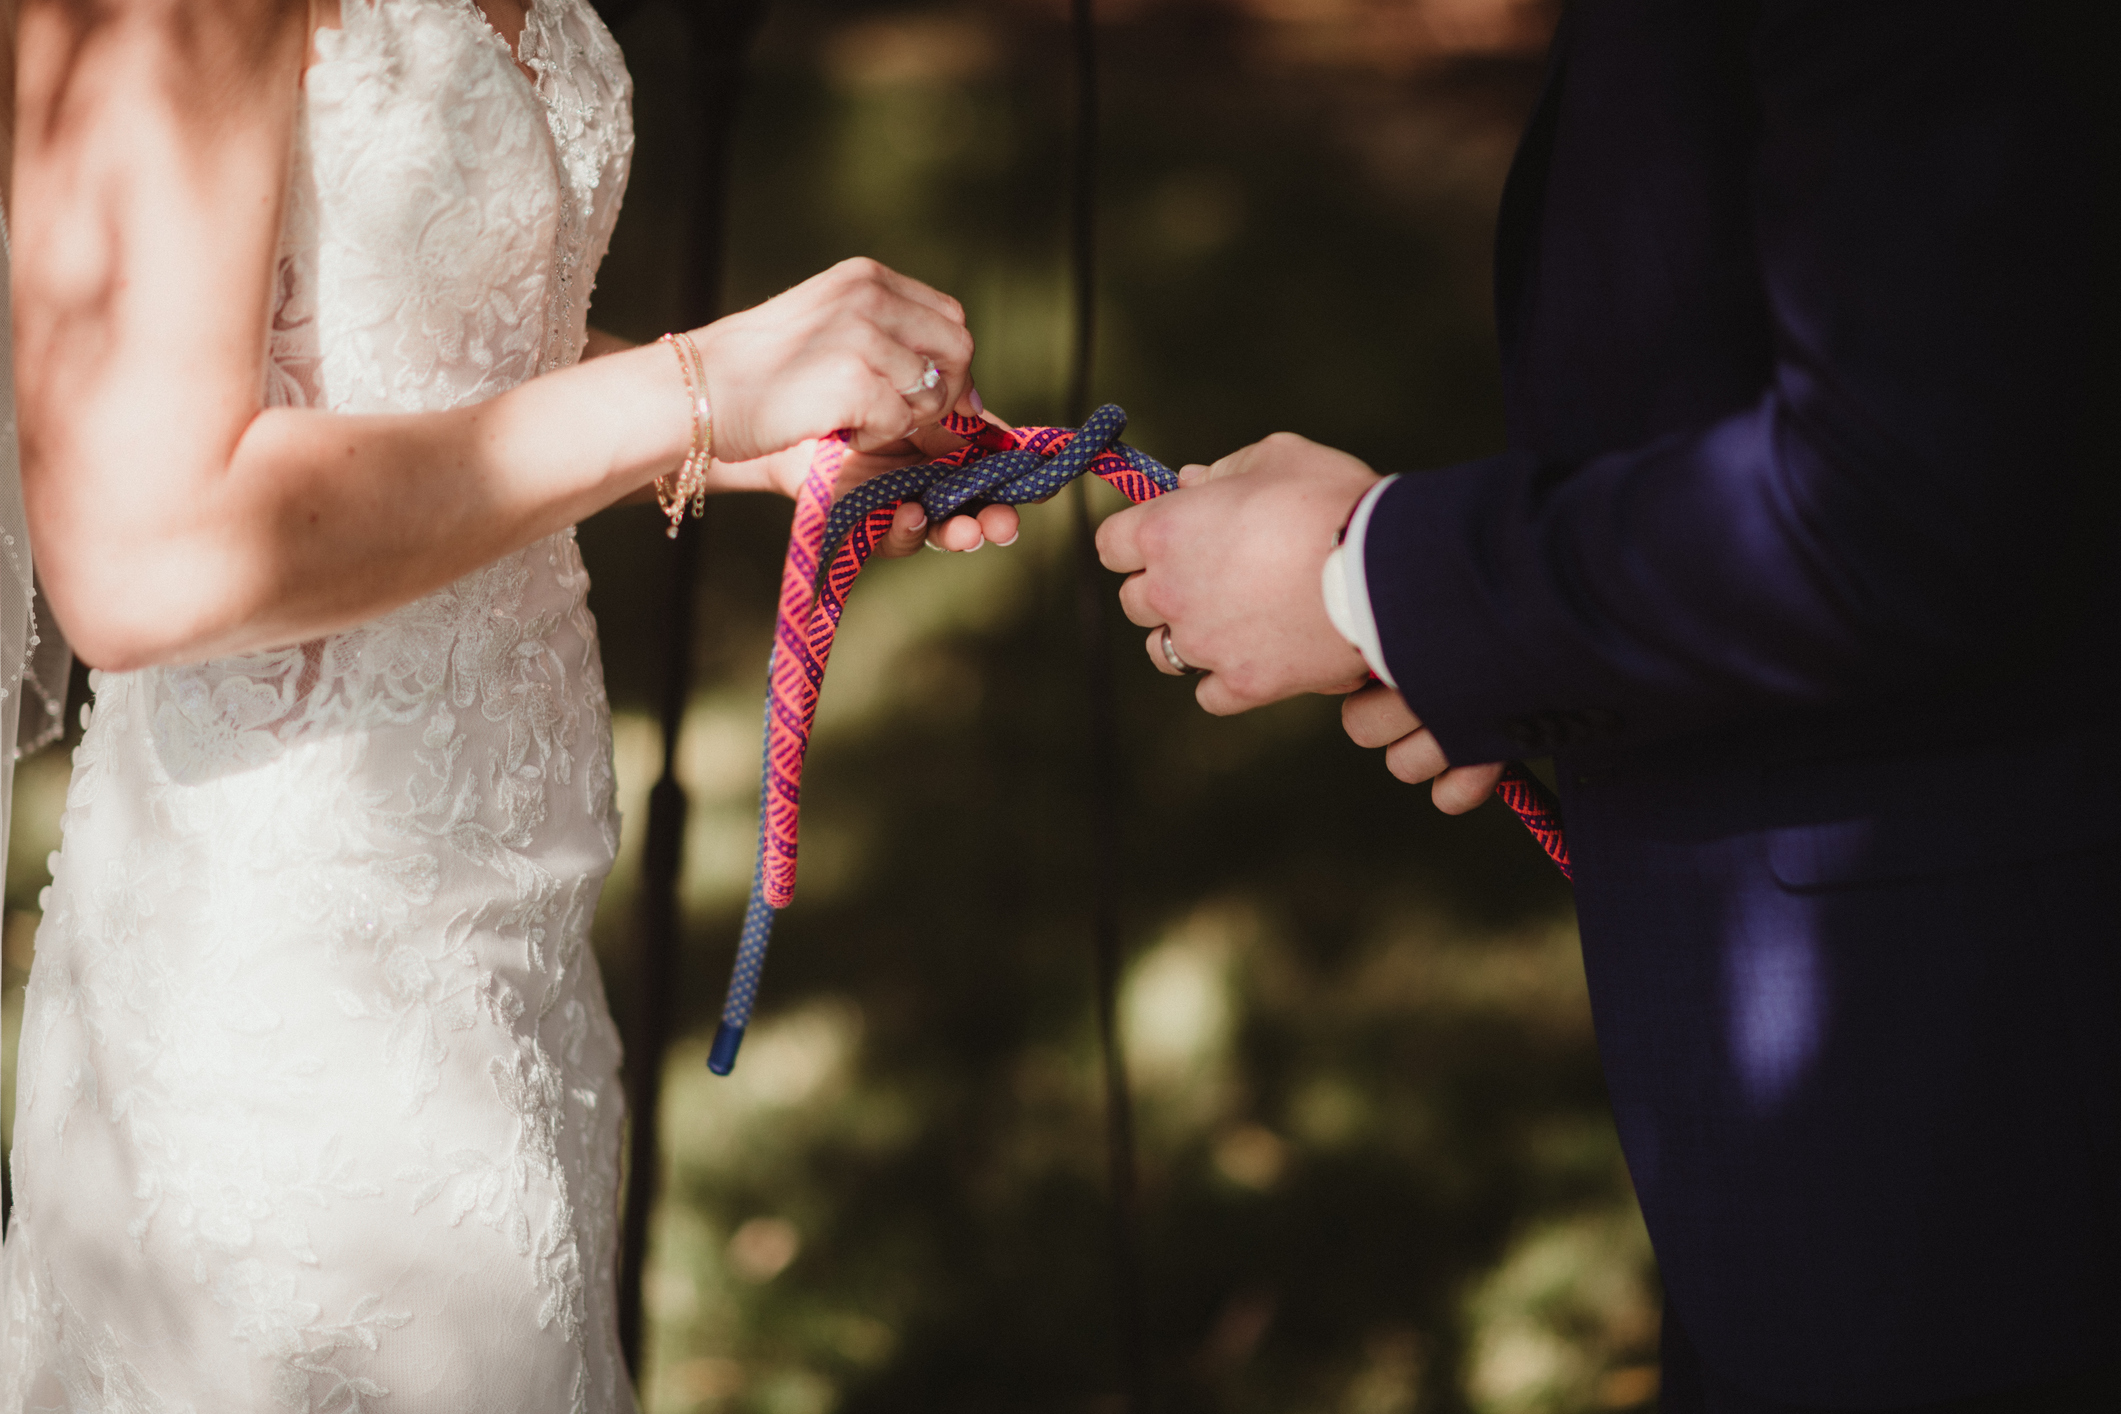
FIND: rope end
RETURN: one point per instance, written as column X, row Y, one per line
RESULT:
column 721, row 1056
column 778, row 872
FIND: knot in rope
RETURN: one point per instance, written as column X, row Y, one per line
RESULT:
column 1000, row 467
column 828, row 543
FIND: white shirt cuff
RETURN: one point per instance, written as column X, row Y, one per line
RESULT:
column 1347, row 588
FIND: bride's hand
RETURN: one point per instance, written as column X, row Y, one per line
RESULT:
column 785, row 470
column 845, row 349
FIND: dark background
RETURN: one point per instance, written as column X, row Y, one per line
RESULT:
column 1378, row 1172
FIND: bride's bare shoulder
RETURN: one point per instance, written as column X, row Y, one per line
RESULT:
column 154, row 119
column 197, row 44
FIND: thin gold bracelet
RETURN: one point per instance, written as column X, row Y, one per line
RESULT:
column 689, row 482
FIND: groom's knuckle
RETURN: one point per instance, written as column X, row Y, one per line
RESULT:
column 1159, row 599
column 1115, row 540
column 1156, row 536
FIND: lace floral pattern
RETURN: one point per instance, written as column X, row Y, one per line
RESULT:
column 318, row 1105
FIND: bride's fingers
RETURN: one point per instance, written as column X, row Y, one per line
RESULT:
column 933, row 440
column 879, row 414
column 921, row 334
column 1000, row 525
column 915, row 376
column 996, row 525
column 862, row 278
column 959, row 533
column 862, row 268
column 953, row 390
column 908, row 527
column 895, row 398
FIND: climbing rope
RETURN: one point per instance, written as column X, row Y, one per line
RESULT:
column 828, row 544
column 1536, row 806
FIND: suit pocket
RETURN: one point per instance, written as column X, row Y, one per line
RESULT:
column 1874, row 821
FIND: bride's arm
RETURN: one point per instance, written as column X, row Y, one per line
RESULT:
column 174, row 517
column 784, row 472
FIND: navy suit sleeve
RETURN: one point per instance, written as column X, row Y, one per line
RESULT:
column 1893, row 509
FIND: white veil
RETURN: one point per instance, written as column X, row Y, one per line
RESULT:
column 33, row 658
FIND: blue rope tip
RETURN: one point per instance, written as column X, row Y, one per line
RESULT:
column 721, row 1056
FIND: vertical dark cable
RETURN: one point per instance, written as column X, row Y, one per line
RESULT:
column 657, row 926
column 1082, row 210
column 1103, row 717
column 721, row 38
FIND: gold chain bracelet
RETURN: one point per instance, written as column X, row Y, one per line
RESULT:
column 689, row 482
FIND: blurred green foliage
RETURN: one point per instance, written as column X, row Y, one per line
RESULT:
column 1378, row 1171
column 1378, row 1174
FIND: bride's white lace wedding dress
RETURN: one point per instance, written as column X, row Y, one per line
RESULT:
column 318, row 1099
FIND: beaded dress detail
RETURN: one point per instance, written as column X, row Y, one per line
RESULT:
column 318, row 1100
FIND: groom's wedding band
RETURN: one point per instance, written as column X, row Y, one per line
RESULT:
column 930, row 377
column 1178, row 665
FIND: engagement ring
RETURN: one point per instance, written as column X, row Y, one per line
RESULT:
column 930, row 377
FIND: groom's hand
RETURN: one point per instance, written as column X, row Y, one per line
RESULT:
column 1379, row 716
column 1231, row 563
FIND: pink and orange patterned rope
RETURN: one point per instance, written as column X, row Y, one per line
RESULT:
column 829, row 542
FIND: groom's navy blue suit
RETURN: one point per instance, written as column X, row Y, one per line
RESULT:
column 1803, row 565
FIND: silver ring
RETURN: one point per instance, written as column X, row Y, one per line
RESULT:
column 1178, row 665
column 930, row 377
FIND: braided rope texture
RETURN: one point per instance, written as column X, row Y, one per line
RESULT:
column 828, row 543
column 1539, row 810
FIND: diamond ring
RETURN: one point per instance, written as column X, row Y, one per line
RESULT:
column 930, row 377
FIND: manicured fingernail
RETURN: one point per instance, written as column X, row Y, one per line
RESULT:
column 920, row 518
column 973, row 546
column 930, row 544
column 1005, row 544
column 979, row 409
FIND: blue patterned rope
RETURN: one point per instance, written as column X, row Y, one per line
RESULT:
column 964, row 482
column 955, row 484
